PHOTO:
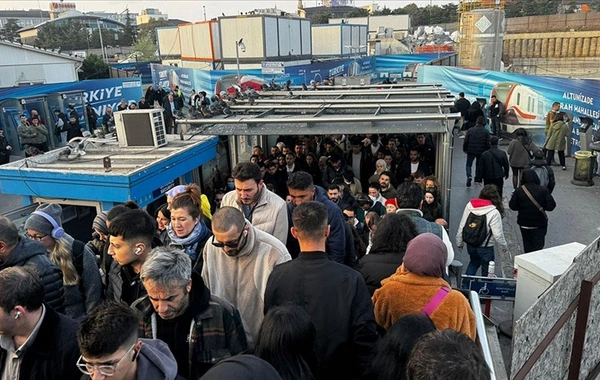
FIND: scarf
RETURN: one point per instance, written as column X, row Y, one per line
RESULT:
column 189, row 243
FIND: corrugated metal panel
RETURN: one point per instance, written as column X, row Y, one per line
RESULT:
column 198, row 45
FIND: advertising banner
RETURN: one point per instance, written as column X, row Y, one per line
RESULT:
column 99, row 92
column 527, row 98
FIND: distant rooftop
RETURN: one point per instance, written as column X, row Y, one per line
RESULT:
column 38, row 13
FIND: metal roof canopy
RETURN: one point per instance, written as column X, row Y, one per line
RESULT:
column 420, row 110
column 325, row 87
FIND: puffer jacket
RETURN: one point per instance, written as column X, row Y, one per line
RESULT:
column 477, row 140
column 557, row 136
column 494, row 221
column 31, row 253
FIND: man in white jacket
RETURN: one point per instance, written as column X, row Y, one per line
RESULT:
column 264, row 209
column 237, row 264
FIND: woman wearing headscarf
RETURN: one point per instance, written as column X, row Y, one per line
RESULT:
column 418, row 287
column 81, row 277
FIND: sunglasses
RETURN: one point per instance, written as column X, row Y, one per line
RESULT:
column 229, row 244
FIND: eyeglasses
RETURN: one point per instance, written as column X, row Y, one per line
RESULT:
column 105, row 369
column 36, row 237
column 231, row 244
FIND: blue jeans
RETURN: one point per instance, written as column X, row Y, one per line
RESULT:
column 479, row 257
column 470, row 159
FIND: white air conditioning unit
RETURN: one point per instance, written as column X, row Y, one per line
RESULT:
column 141, row 128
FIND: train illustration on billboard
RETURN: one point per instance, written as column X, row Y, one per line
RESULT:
column 524, row 107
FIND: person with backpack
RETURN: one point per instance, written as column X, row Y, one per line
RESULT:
column 544, row 172
column 81, row 278
column 480, row 228
column 531, row 201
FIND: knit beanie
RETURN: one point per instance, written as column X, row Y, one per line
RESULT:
column 426, row 255
column 392, row 201
column 42, row 225
column 100, row 223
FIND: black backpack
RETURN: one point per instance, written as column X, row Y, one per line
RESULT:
column 475, row 231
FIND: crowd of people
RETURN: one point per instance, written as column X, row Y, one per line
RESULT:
column 293, row 270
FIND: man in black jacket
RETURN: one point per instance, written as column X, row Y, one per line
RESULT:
column 131, row 236
column 532, row 221
column 493, row 166
column 477, row 141
column 334, row 296
column 16, row 251
column 496, row 112
column 36, row 342
column 543, row 170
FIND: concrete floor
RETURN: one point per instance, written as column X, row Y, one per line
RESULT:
column 575, row 219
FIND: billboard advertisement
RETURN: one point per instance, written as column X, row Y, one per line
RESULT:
column 527, row 98
column 217, row 80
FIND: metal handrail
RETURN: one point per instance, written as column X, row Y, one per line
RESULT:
column 323, row 119
column 481, row 333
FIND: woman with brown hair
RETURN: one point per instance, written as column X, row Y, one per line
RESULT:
column 187, row 231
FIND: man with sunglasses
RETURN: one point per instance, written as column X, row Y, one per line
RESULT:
column 36, row 342
column 17, row 251
column 110, row 348
column 237, row 265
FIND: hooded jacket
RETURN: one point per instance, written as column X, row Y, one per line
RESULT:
column 269, row 214
column 542, row 163
column 494, row 221
column 529, row 215
column 155, row 361
column 242, row 279
column 557, row 136
column 32, row 254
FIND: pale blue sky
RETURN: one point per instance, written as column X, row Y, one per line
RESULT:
column 192, row 10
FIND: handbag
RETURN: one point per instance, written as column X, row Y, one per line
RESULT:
column 535, row 203
column 435, row 301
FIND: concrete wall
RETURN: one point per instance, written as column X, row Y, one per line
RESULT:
column 552, row 45
column 554, row 23
column 530, row 330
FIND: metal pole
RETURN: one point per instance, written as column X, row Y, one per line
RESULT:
column 204, row 8
column 583, row 309
column 237, row 59
column 101, row 42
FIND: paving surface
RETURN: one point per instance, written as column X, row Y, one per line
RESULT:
column 576, row 218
